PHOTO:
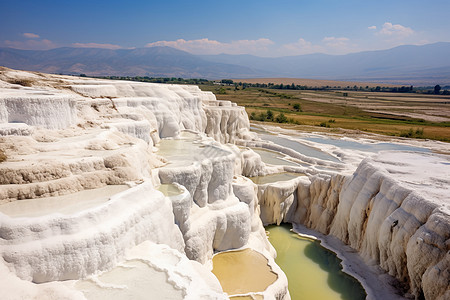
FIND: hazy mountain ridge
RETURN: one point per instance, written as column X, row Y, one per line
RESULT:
column 418, row 65
column 155, row 61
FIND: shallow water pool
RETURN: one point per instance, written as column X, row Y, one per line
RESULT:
column 133, row 280
column 313, row 272
column 65, row 204
column 273, row 158
column 243, row 271
column 169, row 189
column 275, row 177
column 299, row 147
column 183, row 152
column 369, row 147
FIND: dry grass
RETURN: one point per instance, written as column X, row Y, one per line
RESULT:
column 353, row 112
column 21, row 81
column 386, row 128
column 2, row 156
column 314, row 82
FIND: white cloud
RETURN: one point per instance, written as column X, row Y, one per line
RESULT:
column 372, row 27
column 207, row 46
column 329, row 45
column 339, row 45
column 395, row 31
column 96, row 45
column 335, row 42
column 301, row 46
column 31, row 44
column 31, row 35
column 259, row 47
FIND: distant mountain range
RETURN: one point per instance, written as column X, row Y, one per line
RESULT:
column 154, row 61
column 417, row 65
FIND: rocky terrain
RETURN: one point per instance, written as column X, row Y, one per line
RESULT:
column 106, row 183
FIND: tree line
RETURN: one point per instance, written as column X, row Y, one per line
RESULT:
column 437, row 89
column 170, row 80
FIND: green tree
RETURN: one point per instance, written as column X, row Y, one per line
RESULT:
column 262, row 117
column 437, row 89
column 221, row 91
column 297, row 107
column 269, row 115
column 281, row 118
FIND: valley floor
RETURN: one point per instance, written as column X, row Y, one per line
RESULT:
column 393, row 114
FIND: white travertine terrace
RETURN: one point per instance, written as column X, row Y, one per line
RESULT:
column 66, row 137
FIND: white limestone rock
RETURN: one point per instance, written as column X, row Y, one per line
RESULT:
column 405, row 231
column 52, row 111
column 15, row 129
column 56, row 247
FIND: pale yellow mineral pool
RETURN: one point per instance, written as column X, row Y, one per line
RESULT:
column 242, row 272
column 313, row 272
column 169, row 189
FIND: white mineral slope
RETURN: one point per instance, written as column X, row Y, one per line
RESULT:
column 51, row 110
column 213, row 219
column 61, row 247
column 63, row 134
column 394, row 210
column 246, row 191
column 227, row 124
column 50, row 163
column 76, row 134
column 73, row 125
column 145, row 110
column 153, row 270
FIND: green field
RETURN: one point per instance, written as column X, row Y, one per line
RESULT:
column 394, row 114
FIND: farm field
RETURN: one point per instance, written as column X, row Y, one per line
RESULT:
column 395, row 114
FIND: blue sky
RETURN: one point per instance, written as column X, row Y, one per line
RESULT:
column 265, row 28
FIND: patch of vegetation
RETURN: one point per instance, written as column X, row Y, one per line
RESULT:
column 413, row 133
column 281, row 118
column 297, row 107
column 331, row 109
column 21, row 81
column 2, row 156
column 275, row 94
column 221, row 91
column 269, row 116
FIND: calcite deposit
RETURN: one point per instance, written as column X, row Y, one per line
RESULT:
column 66, row 234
